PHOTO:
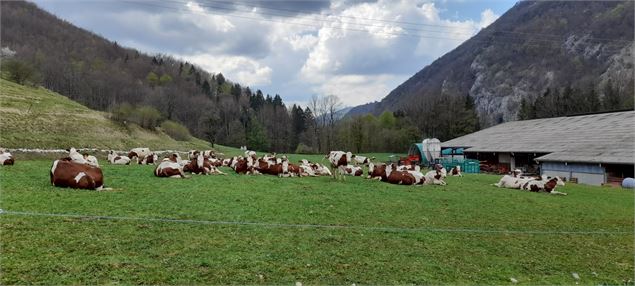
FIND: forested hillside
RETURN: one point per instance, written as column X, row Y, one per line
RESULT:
column 40, row 49
column 539, row 59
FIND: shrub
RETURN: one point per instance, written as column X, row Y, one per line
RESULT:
column 122, row 113
column 175, row 130
column 147, row 117
column 20, row 72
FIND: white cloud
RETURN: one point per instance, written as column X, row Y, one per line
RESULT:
column 336, row 51
column 357, row 89
column 487, row 17
column 243, row 70
column 361, row 66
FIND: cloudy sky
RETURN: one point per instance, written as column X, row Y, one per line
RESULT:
column 355, row 49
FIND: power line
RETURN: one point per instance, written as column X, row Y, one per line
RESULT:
column 181, row 10
column 402, row 22
column 326, row 20
column 322, row 226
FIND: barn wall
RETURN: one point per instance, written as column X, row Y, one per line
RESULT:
column 590, row 174
column 504, row 158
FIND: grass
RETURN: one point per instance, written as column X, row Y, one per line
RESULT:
column 65, row 250
column 39, row 118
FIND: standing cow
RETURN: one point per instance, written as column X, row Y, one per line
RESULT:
column 339, row 160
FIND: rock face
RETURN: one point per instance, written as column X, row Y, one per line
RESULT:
column 532, row 47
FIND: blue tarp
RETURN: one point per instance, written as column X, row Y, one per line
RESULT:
column 450, row 151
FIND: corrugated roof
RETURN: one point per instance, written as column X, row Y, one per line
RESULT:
column 598, row 138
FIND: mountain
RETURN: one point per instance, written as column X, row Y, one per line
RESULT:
column 39, row 118
column 536, row 49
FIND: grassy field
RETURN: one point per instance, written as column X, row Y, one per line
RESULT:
column 40, row 118
column 392, row 234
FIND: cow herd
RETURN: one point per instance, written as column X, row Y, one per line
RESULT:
column 348, row 164
column 82, row 171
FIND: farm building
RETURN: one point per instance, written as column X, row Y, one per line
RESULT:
column 591, row 149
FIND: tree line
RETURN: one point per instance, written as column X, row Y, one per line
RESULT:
column 570, row 100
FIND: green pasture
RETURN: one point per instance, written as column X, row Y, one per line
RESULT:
column 239, row 229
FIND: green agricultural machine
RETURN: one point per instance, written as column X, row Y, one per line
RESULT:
column 428, row 153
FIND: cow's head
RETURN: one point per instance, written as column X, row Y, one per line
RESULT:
column 559, row 181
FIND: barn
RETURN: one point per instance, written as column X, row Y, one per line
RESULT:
column 591, row 149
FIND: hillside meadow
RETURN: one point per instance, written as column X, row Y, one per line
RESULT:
column 238, row 229
column 39, row 118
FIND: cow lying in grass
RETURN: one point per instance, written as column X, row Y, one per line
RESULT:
column 149, row 159
column 351, row 170
column 67, row 173
column 318, row 169
column 391, row 174
column 408, row 168
column 547, row 184
column 138, row 154
column 115, row 159
column 456, row 171
column 270, row 168
column 362, row 160
column 242, row 166
column 397, row 177
column 170, row 167
column 82, row 158
column 533, row 184
column 201, row 165
column 6, row 158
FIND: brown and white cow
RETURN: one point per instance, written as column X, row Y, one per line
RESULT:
column 66, row 173
column 170, row 168
column 362, row 160
column 402, row 178
column 436, row 176
column 276, row 169
column 351, row 170
column 314, row 169
column 515, row 180
column 339, row 160
column 299, row 170
column 113, row 158
column 91, row 160
column 377, row 171
column 149, row 159
column 76, row 156
column 201, row 165
column 390, row 174
column 138, row 153
column 456, row 171
column 547, row 184
column 241, row 166
column 6, row 158
column 408, row 167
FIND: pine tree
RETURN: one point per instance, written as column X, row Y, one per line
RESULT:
column 207, row 90
column 612, row 100
column 256, row 136
column 526, row 110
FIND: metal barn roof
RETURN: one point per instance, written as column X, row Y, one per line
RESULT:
column 595, row 138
